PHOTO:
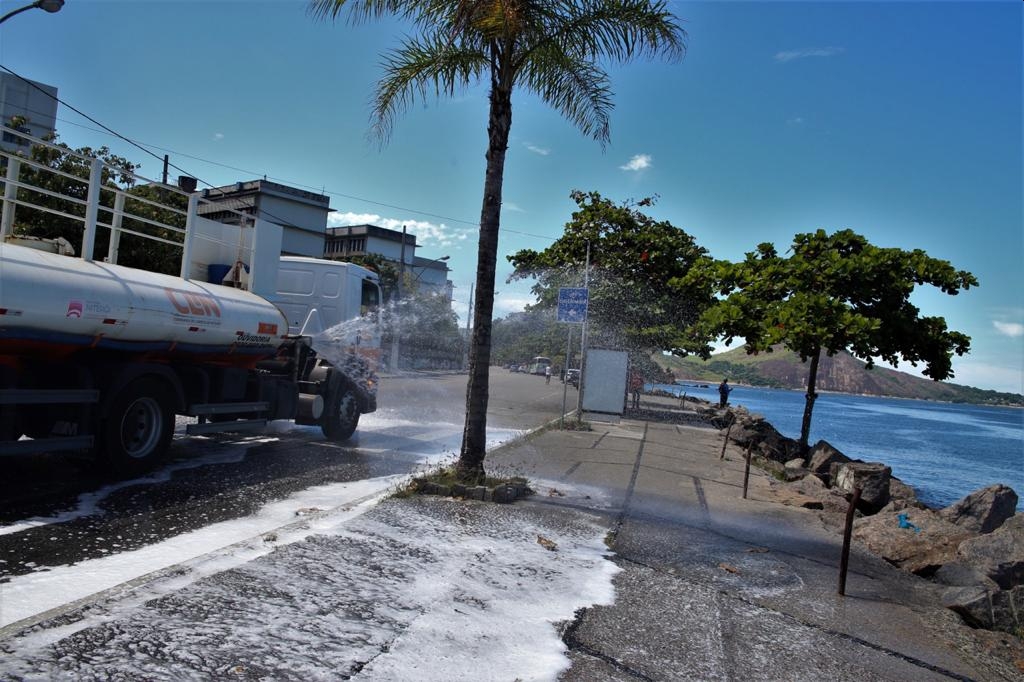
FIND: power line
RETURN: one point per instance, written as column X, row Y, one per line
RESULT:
column 139, row 145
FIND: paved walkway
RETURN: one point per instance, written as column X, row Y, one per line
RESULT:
column 719, row 587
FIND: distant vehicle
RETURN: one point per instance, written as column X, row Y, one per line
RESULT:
column 572, row 377
column 539, row 364
column 513, row 367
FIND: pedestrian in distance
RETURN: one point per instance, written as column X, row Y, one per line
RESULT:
column 547, row 374
column 724, row 389
column 636, row 384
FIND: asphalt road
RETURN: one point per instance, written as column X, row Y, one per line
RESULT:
column 57, row 510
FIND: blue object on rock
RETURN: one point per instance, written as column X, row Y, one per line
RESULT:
column 905, row 523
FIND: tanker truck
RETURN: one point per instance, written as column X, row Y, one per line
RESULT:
column 103, row 358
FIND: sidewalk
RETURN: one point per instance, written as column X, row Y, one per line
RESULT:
column 699, row 584
column 717, row 587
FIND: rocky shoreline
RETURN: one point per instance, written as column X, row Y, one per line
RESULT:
column 973, row 549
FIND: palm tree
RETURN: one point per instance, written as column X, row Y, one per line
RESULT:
column 551, row 48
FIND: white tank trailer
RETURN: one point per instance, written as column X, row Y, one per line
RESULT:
column 100, row 357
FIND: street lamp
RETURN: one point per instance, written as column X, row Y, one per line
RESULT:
column 424, row 268
column 50, row 6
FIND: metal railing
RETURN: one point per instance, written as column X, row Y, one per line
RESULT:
column 98, row 201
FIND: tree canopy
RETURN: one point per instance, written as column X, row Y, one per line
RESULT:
column 835, row 292
column 642, row 293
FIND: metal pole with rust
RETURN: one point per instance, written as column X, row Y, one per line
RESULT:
column 844, row 560
column 746, row 471
column 732, row 421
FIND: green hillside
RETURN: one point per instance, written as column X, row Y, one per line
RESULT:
column 842, row 374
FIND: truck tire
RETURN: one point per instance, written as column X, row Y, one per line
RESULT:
column 138, row 428
column 341, row 413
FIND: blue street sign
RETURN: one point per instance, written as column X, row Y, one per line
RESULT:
column 572, row 304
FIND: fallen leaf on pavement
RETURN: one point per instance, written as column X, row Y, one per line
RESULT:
column 757, row 550
column 727, row 567
column 546, row 544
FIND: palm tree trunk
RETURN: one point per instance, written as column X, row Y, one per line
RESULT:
column 470, row 467
column 812, row 381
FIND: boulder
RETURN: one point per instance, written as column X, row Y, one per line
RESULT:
column 794, row 469
column 959, row 573
column 871, row 477
column 983, row 510
column 902, row 495
column 822, row 456
column 973, row 604
column 999, row 554
column 925, row 545
column 1008, row 610
column 753, row 430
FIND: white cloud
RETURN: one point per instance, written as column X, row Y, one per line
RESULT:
column 796, row 121
column 218, row 136
column 427, row 233
column 516, row 303
column 512, row 206
column 1011, row 329
column 790, row 55
column 538, row 150
column 637, row 163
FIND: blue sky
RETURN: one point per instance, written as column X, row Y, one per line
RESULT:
column 899, row 120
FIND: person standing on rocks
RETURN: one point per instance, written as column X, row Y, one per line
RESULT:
column 724, row 389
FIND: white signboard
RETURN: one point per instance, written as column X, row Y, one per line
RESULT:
column 604, row 381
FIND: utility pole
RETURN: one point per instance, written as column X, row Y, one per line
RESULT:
column 167, row 161
column 469, row 318
column 397, row 327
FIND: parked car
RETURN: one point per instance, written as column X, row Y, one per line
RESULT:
column 572, row 377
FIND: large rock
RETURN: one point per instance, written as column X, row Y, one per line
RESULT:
column 999, row 554
column 974, row 604
column 763, row 438
column 983, row 510
column 871, row 477
column 902, row 495
column 921, row 551
column 822, row 456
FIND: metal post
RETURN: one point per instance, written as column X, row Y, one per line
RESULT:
column 115, row 229
column 469, row 318
column 727, row 432
column 397, row 326
column 92, row 208
column 565, row 379
column 844, row 559
column 10, row 194
column 167, row 161
column 746, row 471
column 583, row 336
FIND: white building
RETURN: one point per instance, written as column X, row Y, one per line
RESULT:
column 362, row 240
column 302, row 214
column 37, row 102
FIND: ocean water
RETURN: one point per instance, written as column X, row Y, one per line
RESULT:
column 944, row 451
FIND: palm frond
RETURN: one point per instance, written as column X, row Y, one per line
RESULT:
column 419, row 69
column 577, row 88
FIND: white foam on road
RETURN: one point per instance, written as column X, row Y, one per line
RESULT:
column 421, row 590
column 28, row 595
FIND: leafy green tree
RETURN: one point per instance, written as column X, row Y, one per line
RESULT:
column 552, row 49
column 640, row 294
column 836, row 292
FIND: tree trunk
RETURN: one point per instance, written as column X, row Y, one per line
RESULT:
column 812, row 380
column 470, row 467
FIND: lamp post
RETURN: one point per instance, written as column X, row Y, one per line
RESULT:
column 50, row 6
column 442, row 259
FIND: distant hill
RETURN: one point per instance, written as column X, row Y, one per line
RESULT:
column 842, row 373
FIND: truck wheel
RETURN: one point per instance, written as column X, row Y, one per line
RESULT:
column 341, row 414
column 138, row 428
